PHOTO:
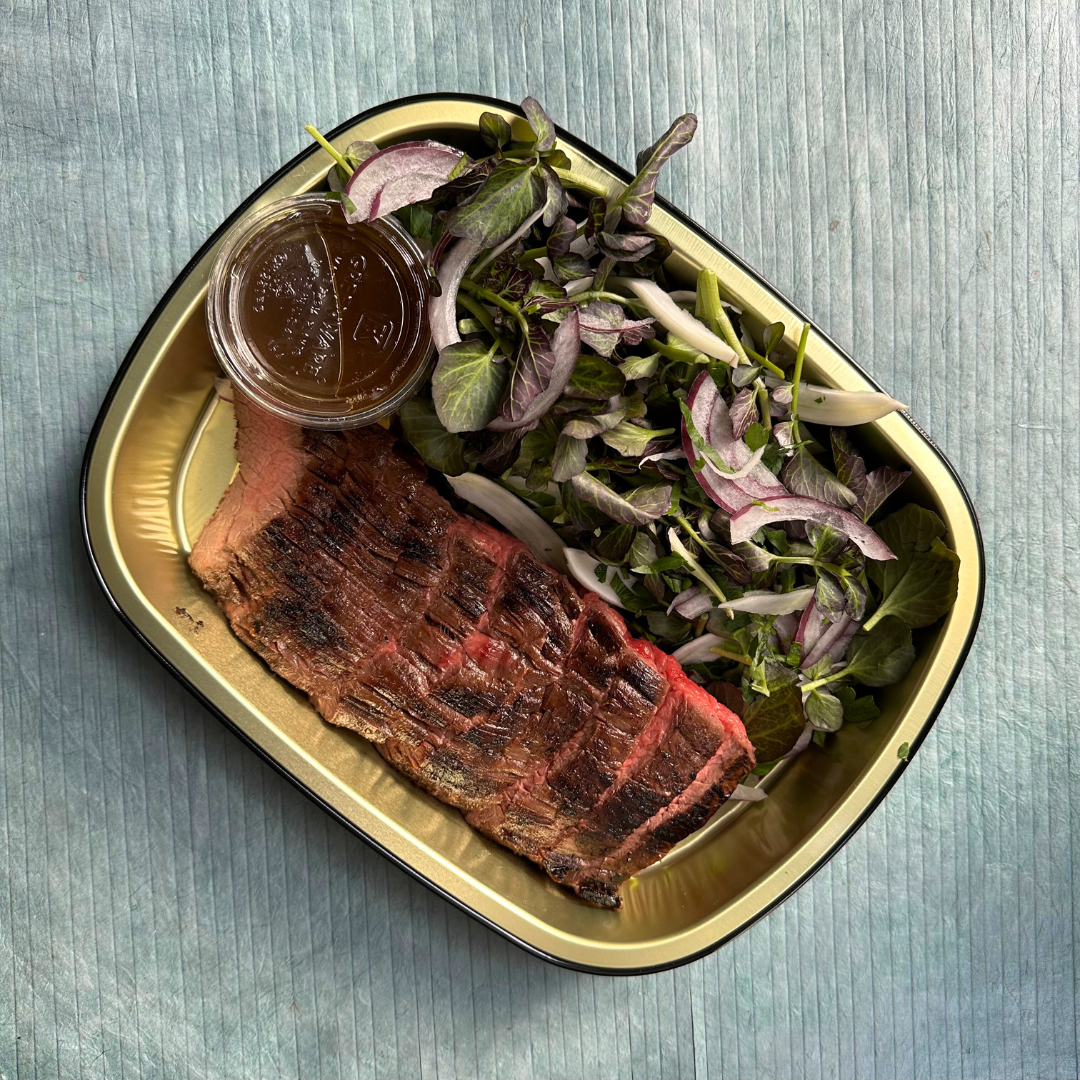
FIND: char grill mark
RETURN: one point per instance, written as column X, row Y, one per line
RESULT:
column 478, row 672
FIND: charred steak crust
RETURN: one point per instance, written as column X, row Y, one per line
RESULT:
column 482, row 675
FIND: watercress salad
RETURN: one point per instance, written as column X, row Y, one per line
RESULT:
column 656, row 442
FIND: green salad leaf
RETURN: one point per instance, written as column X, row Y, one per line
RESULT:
column 921, row 584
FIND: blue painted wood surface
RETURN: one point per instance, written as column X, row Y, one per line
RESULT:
column 908, row 173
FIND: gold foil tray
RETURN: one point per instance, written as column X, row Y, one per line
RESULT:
column 161, row 455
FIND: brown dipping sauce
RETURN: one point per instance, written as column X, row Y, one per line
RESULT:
column 319, row 317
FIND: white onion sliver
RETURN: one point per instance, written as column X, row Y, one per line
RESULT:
column 679, row 322
column 582, row 567
column 442, row 309
column 745, row 793
column 691, row 603
column 767, row 602
column 683, row 296
column 700, row 650
column 666, row 455
column 841, row 408
column 510, row 512
column 580, row 285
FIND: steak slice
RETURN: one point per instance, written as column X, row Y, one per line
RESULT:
column 479, row 673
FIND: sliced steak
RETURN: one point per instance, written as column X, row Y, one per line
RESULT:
column 478, row 672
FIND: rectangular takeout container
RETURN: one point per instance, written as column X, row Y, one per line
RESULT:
column 161, row 455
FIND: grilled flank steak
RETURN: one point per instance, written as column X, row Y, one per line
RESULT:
column 481, row 674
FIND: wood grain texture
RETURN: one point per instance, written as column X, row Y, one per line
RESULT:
column 908, row 173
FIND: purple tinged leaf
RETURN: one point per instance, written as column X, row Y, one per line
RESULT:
column 554, row 196
column 880, row 484
column 648, row 265
column 756, row 559
column 511, row 195
column 505, row 447
column 585, row 427
column 743, row 411
column 850, row 467
column 625, row 247
column 639, row 507
column 637, row 201
column 561, row 236
column 569, row 458
column 569, row 267
column 494, row 130
column 632, row 441
column 603, row 326
column 399, row 175
column 829, row 598
column 540, row 122
column 542, row 369
column 543, row 297
column 803, row 474
column 594, row 223
column 603, row 271
column 784, row 434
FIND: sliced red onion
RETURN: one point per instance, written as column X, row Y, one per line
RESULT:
column 712, row 419
column 784, row 628
column 728, row 493
column 833, row 642
column 691, row 603
column 700, row 650
column 582, row 567
column 801, row 743
column 745, row 793
column 811, row 627
column 679, row 322
column 747, row 520
column 838, row 408
column 402, row 174
column 509, row 511
column 442, row 309
column 767, row 602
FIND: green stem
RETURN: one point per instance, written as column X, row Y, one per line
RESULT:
column 576, row 180
column 677, row 355
column 480, row 313
column 318, row 137
column 796, row 378
column 494, row 298
column 807, row 687
column 708, row 304
column 739, row 658
column 601, row 294
column 728, row 329
column 765, row 362
column 763, row 404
